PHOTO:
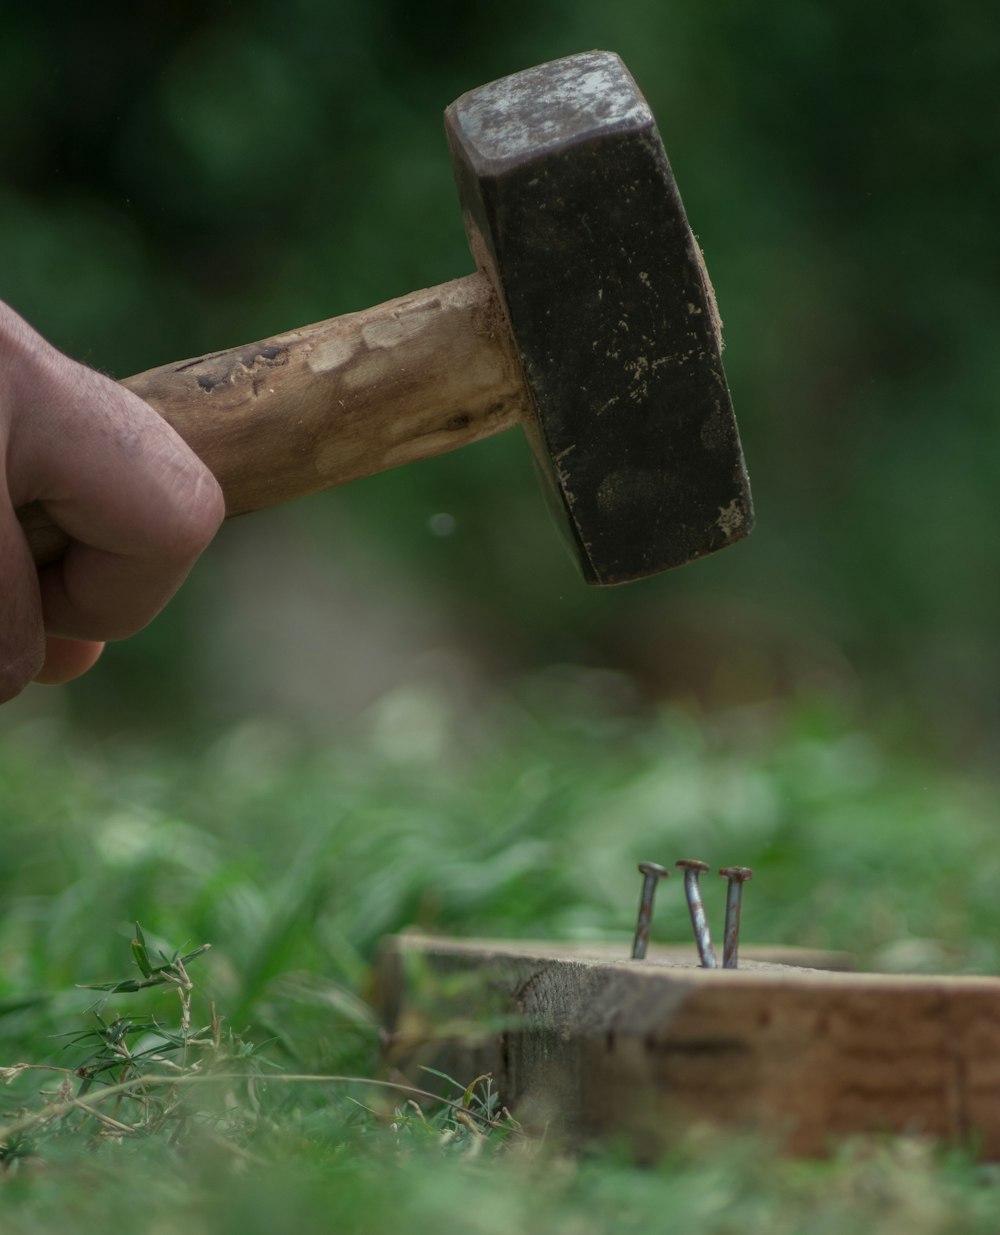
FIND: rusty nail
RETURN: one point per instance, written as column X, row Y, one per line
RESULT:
column 692, row 890
column 652, row 873
column 737, row 876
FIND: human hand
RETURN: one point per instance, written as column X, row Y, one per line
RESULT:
column 136, row 501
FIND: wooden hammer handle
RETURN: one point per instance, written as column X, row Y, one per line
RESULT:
column 335, row 401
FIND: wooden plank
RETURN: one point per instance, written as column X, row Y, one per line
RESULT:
column 602, row 1048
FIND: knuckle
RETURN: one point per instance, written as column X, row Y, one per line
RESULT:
column 197, row 509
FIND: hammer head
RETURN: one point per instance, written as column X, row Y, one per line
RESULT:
column 572, row 210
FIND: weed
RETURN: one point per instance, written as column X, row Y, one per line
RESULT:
column 143, row 1078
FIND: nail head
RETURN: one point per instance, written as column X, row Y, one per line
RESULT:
column 690, row 864
column 740, row 874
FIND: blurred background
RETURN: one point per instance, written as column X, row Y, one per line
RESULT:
column 180, row 178
column 396, row 702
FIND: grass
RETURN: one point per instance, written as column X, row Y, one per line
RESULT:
column 193, row 1094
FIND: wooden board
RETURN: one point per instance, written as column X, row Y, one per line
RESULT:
column 603, row 1049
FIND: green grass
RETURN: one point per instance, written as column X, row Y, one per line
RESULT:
column 524, row 821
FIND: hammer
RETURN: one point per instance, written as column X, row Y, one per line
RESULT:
column 591, row 322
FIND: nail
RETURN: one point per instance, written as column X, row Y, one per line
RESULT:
column 737, row 876
column 652, row 874
column 692, row 890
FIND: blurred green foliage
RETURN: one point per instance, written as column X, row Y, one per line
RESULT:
column 526, row 821
column 178, row 178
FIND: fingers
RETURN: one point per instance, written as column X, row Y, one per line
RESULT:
column 136, row 501
column 26, row 655
column 22, row 634
column 66, row 659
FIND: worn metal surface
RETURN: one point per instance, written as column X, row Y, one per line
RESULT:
column 737, row 877
column 693, row 871
column 651, row 873
column 573, row 212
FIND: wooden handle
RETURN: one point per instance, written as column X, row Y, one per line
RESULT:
column 345, row 398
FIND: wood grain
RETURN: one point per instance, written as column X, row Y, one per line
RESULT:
column 634, row 1050
column 337, row 400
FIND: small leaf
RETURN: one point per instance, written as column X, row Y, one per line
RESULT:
column 141, row 957
column 471, row 1089
column 443, row 1075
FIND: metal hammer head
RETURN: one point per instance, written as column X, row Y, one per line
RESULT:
column 572, row 210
